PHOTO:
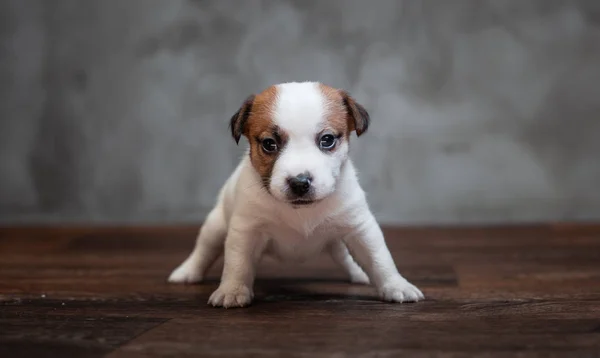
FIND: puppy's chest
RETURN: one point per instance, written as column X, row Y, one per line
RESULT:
column 290, row 244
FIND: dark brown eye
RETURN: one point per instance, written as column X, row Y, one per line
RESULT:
column 269, row 145
column 327, row 142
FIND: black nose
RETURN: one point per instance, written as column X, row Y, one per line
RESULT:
column 300, row 184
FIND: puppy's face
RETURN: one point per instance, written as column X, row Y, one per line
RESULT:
column 299, row 135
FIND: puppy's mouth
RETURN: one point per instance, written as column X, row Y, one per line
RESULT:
column 303, row 202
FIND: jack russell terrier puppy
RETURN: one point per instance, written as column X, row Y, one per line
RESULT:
column 294, row 195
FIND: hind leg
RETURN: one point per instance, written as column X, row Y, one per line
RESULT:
column 208, row 247
column 340, row 254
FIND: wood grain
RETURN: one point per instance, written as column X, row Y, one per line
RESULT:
column 523, row 291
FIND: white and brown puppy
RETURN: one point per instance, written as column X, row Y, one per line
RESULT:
column 294, row 195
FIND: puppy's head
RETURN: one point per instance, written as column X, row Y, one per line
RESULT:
column 299, row 135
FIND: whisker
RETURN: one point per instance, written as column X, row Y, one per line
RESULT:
column 253, row 185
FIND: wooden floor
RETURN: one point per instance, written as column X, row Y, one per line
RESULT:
column 494, row 292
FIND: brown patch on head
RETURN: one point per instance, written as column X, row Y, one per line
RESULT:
column 344, row 113
column 254, row 120
column 336, row 120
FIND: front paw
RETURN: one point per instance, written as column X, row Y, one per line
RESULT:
column 230, row 296
column 400, row 291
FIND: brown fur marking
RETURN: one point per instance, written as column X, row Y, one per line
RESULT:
column 345, row 114
column 260, row 126
column 337, row 115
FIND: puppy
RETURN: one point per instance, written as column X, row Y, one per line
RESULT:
column 293, row 195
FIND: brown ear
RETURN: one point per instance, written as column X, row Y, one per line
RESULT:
column 237, row 123
column 358, row 117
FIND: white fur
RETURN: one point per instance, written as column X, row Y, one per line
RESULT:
column 247, row 221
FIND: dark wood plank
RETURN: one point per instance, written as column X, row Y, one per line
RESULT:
column 73, row 334
column 495, row 291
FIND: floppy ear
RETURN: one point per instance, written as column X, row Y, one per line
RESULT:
column 358, row 117
column 237, row 123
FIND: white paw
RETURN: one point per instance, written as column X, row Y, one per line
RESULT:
column 400, row 291
column 229, row 296
column 359, row 277
column 187, row 272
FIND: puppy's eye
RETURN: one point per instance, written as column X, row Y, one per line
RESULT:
column 327, row 142
column 269, row 145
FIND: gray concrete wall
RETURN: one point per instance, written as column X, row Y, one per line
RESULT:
column 483, row 111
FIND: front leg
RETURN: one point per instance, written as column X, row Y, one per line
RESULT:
column 367, row 245
column 243, row 248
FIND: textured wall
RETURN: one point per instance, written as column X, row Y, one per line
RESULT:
column 483, row 111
